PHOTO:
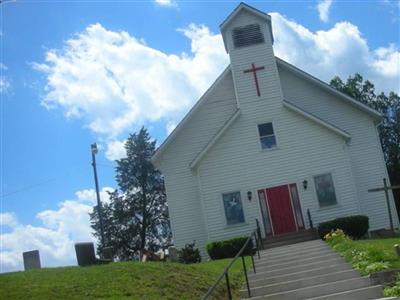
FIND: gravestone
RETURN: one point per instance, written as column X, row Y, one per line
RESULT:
column 173, row 254
column 107, row 253
column 31, row 260
column 397, row 249
column 85, row 254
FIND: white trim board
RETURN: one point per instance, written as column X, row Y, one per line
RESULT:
column 188, row 116
column 372, row 112
column 317, row 120
column 211, row 143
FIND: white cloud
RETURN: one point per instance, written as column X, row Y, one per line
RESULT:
column 115, row 150
column 170, row 127
column 4, row 81
column 340, row 50
column 323, row 9
column 55, row 238
column 4, row 84
column 170, row 3
column 116, row 83
column 8, row 219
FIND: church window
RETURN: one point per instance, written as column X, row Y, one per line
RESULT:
column 247, row 35
column 233, row 208
column 267, row 135
column 325, row 190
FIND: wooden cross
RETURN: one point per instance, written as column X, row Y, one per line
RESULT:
column 386, row 188
column 254, row 71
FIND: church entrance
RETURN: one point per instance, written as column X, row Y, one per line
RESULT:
column 281, row 211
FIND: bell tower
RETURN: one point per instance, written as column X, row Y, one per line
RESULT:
column 248, row 39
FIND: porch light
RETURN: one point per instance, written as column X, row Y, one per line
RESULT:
column 305, row 184
column 249, row 195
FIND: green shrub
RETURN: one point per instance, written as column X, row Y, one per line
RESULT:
column 189, row 254
column 354, row 226
column 229, row 248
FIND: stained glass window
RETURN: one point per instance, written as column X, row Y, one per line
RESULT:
column 325, row 190
column 233, row 208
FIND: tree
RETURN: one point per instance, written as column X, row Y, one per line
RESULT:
column 136, row 218
column 389, row 128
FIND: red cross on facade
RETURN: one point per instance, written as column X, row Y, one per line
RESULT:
column 254, row 71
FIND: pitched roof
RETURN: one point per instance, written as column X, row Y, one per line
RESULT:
column 375, row 114
column 214, row 139
column 365, row 108
column 317, row 120
column 188, row 116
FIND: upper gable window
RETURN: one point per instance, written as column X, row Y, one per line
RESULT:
column 267, row 135
column 247, row 35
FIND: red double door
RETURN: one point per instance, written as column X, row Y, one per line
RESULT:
column 283, row 207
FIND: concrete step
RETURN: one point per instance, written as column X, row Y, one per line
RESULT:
column 300, row 283
column 262, row 279
column 274, row 244
column 295, row 256
column 365, row 293
column 290, row 235
column 267, row 272
column 303, row 250
column 295, row 253
column 295, row 261
column 304, row 245
column 319, row 290
column 300, row 266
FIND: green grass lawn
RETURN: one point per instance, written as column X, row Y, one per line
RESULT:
column 370, row 256
column 122, row 280
column 385, row 246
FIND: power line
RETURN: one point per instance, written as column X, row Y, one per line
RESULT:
column 28, row 187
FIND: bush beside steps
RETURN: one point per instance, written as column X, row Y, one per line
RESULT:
column 229, row 248
column 354, row 226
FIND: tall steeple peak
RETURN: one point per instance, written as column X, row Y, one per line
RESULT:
column 253, row 32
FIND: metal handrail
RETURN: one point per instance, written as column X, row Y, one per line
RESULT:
column 309, row 219
column 226, row 270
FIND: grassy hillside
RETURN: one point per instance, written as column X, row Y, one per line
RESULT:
column 124, row 280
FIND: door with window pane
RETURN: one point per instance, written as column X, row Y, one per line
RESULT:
column 281, row 209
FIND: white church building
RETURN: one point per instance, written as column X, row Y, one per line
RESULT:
column 268, row 141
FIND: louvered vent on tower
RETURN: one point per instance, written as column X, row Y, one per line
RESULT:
column 247, row 35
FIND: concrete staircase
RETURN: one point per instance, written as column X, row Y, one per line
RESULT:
column 290, row 238
column 307, row 270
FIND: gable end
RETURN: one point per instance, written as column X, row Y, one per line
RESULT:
column 156, row 156
column 376, row 115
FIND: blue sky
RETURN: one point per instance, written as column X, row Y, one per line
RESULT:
column 74, row 73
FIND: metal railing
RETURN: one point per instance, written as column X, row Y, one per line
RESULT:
column 225, row 273
column 309, row 219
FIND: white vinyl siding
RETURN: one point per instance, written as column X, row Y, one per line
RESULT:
column 182, row 184
column 306, row 149
column 365, row 152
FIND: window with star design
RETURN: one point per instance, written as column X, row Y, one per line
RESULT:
column 233, row 208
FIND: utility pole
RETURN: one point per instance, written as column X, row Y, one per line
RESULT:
column 99, row 207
